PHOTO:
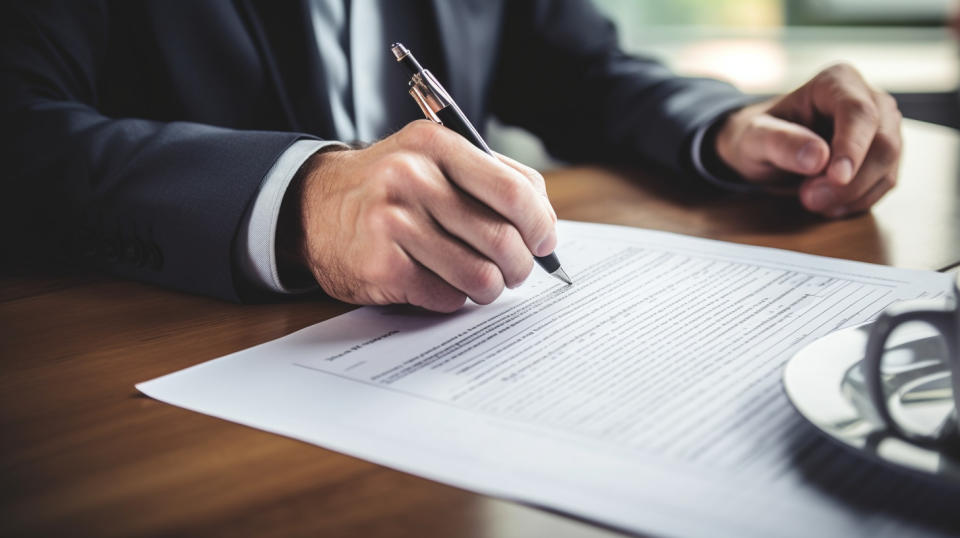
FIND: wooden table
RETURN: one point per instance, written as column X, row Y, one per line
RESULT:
column 84, row 453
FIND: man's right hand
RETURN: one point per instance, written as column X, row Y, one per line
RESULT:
column 422, row 217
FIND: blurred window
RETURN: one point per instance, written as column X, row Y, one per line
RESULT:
column 772, row 13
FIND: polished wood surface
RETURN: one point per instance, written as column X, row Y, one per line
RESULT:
column 84, row 454
column 916, row 226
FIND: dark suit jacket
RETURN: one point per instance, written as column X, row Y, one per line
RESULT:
column 136, row 133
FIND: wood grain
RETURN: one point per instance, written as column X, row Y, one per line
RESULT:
column 84, row 454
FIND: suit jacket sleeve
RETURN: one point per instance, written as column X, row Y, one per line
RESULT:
column 562, row 75
column 154, row 201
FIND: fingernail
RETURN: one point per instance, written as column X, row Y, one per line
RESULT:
column 808, row 157
column 547, row 245
column 837, row 212
column 821, row 197
column 841, row 171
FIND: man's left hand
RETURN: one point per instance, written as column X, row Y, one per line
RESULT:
column 836, row 133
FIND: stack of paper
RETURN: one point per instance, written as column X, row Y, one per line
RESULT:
column 647, row 395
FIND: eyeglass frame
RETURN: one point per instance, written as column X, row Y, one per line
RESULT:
column 944, row 316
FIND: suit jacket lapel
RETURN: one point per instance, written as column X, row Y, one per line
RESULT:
column 467, row 32
column 283, row 31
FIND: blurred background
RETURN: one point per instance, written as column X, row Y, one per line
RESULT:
column 767, row 47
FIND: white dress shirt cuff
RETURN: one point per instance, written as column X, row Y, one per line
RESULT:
column 257, row 238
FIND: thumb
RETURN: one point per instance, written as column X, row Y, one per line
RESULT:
column 788, row 146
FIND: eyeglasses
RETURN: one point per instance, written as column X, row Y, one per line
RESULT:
column 912, row 372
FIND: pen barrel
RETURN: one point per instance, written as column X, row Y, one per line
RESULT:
column 550, row 262
column 437, row 105
column 453, row 118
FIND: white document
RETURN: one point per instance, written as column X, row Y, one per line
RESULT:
column 646, row 396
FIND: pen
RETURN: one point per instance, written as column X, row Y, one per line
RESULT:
column 437, row 105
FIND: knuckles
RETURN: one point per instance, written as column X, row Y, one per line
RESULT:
column 840, row 69
column 860, row 108
column 843, row 83
column 385, row 220
column 534, row 177
column 422, row 135
column 402, row 177
column 399, row 171
column 484, row 282
column 538, row 180
column 888, row 103
column 887, row 147
column 524, row 206
column 512, row 194
column 837, row 74
column 508, row 249
column 521, row 276
column 502, row 240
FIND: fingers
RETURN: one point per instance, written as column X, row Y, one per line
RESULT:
column 841, row 93
column 786, row 146
column 535, row 178
column 445, row 230
column 421, row 287
column 390, row 276
column 871, row 197
column 424, row 218
column 414, row 262
column 838, row 209
column 438, row 221
column 484, row 231
column 450, row 259
column 496, row 185
column 876, row 175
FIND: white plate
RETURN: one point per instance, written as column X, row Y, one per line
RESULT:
column 824, row 382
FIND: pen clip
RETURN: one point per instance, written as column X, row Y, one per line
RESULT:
column 429, row 94
column 437, row 88
column 423, row 103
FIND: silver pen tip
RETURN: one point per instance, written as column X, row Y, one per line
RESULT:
column 562, row 275
column 399, row 51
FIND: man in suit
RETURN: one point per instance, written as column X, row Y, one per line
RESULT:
column 200, row 145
